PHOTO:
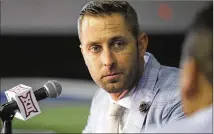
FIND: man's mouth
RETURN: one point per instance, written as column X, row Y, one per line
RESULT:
column 112, row 75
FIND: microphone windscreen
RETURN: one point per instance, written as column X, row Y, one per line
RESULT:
column 54, row 88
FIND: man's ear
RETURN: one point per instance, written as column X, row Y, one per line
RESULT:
column 83, row 55
column 188, row 78
column 80, row 47
column 142, row 43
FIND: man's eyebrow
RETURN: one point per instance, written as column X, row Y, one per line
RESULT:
column 92, row 43
column 116, row 38
column 119, row 37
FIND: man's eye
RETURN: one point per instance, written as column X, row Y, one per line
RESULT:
column 118, row 45
column 95, row 49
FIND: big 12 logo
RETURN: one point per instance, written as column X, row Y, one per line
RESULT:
column 26, row 100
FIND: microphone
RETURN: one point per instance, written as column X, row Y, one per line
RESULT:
column 51, row 89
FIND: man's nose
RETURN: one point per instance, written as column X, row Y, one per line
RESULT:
column 108, row 58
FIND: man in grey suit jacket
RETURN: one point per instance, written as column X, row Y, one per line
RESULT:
column 196, row 79
column 114, row 51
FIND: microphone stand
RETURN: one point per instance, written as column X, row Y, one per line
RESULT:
column 6, row 115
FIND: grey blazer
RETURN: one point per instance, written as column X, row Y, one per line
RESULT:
column 158, row 86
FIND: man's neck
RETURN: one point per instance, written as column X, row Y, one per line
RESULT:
column 118, row 96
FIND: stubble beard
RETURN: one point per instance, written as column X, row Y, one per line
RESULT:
column 111, row 87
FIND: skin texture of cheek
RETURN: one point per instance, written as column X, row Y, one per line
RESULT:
column 132, row 69
column 93, row 68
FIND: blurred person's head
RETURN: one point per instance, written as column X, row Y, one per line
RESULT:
column 112, row 45
column 197, row 64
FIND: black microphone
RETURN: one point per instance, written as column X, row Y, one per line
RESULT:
column 51, row 89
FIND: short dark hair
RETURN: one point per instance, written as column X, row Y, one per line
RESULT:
column 202, row 50
column 107, row 7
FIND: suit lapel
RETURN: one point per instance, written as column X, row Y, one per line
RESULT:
column 144, row 93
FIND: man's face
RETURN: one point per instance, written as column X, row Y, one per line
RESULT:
column 110, row 52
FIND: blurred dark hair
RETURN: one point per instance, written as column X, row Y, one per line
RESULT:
column 104, row 7
column 204, row 19
column 199, row 42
